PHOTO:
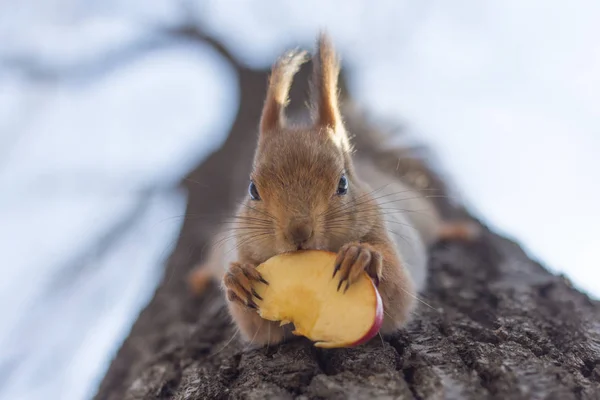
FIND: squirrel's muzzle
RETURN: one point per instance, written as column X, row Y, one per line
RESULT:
column 299, row 232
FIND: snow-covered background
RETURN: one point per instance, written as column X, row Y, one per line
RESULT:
column 101, row 115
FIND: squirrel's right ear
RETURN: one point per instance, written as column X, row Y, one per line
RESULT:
column 326, row 70
column 280, row 81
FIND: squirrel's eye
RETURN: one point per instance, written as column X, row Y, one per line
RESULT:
column 253, row 191
column 342, row 185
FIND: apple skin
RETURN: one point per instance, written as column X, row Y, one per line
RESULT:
column 369, row 335
column 376, row 324
column 284, row 261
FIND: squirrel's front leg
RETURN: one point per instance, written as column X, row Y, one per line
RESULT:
column 393, row 280
column 241, row 301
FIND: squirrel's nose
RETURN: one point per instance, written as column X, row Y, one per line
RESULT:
column 299, row 232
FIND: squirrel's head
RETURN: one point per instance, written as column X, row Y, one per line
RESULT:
column 302, row 186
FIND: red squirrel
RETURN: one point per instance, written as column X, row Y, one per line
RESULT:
column 308, row 190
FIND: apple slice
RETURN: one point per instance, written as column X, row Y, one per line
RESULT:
column 302, row 291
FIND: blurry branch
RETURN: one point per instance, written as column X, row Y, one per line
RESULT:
column 91, row 69
column 105, row 63
column 193, row 33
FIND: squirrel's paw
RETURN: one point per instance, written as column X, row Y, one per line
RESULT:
column 355, row 258
column 238, row 284
column 466, row 231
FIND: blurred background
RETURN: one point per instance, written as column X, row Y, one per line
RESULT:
column 105, row 106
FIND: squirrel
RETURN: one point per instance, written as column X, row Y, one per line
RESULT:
column 309, row 190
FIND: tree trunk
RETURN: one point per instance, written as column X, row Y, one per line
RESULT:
column 492, row 324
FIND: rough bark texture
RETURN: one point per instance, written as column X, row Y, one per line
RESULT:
column 496, row 324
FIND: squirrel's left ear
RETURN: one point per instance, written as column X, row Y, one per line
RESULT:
column 324, row 85
column 273, row 120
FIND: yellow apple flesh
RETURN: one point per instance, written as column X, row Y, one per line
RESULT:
column 302, row 291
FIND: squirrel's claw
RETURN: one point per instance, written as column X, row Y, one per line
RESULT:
column 238, row 282
column 355, row 258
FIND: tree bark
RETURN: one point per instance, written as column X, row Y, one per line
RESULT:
column 492, row 324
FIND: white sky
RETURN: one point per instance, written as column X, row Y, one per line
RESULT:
column 507, row 93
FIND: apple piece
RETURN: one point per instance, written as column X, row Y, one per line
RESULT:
column 302, row 291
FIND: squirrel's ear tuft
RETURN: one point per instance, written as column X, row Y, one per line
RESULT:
column 326, row 69
column 282, row 73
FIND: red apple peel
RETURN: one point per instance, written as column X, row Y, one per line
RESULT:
column 302, row 291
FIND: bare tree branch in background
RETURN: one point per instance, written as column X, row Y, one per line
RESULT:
column 497, row 324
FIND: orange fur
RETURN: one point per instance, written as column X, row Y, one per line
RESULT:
column 296, row 173
column 283, row 71
column 199, row 279
column 459, row 230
